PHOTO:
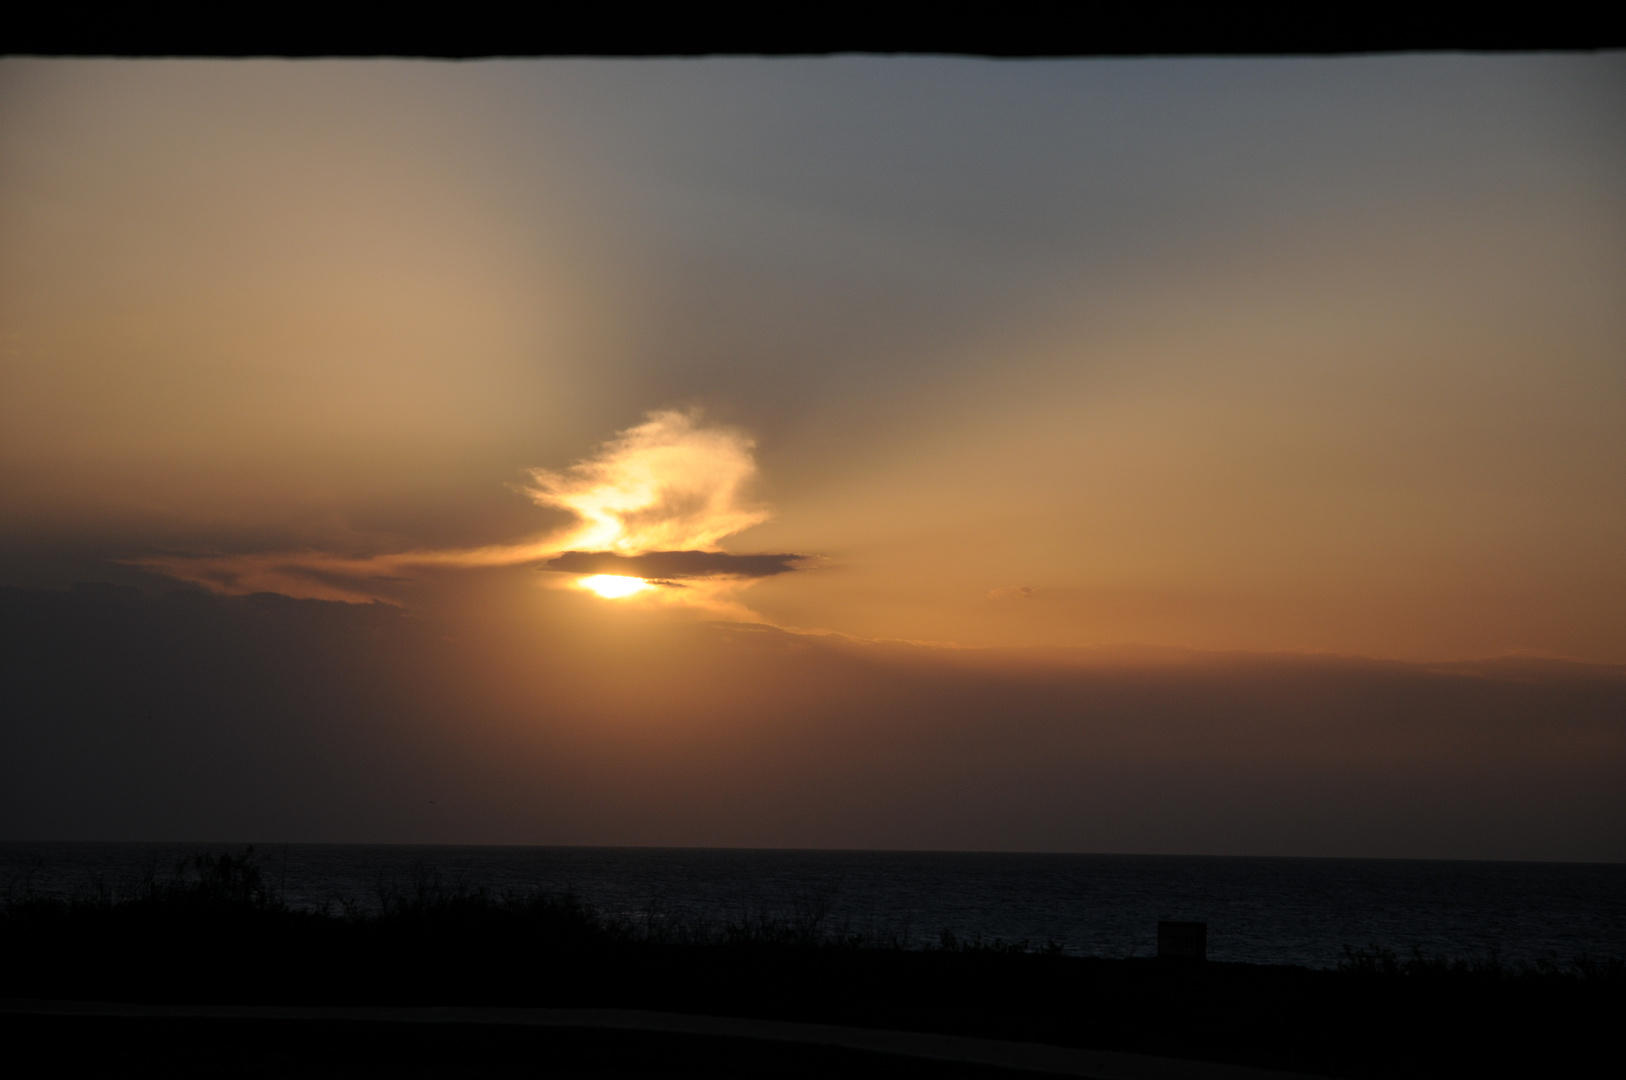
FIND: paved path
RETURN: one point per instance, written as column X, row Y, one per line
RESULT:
column 1030, row 1057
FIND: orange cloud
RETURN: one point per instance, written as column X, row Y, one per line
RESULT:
column 668, row 485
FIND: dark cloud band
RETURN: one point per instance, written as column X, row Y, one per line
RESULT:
column 674, row 564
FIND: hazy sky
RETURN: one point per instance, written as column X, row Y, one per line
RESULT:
column 1275, row 366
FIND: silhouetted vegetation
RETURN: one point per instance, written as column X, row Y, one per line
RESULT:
column 214, row 930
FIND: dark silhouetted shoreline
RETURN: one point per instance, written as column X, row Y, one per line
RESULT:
column 216, row 933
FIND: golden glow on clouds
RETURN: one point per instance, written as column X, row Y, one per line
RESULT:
column 613, row 586
column 665, row 485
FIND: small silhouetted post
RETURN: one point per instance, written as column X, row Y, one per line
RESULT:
column 1182, row 940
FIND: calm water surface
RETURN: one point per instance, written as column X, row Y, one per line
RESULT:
column 1280, row 911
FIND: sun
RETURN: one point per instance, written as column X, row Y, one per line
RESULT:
column 613, row 586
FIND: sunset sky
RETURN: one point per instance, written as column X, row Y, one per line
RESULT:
column 1199, row 455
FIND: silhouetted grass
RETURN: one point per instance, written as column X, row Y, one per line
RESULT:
column 214, row 930
column 1374, row 962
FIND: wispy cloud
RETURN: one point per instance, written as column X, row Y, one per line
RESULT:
column 654, row 501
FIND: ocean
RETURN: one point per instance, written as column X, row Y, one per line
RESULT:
column 1258, row 910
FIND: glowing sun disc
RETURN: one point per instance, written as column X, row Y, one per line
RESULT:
column 613, row 586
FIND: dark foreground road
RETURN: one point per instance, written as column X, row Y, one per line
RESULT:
column 89, row 1039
